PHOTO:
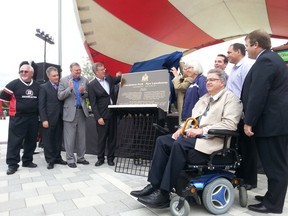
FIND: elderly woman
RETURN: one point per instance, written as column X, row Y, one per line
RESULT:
column 196, row 89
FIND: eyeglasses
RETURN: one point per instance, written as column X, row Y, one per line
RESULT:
column 23, row 71
column 211, row 80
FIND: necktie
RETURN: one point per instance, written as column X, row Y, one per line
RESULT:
column 207, row 109
column 55, row 86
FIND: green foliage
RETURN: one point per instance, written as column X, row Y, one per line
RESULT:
column 87, row 69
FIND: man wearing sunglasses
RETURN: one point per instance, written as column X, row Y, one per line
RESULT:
column 22, row 96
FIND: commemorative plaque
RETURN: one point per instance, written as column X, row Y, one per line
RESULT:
column 148, row 88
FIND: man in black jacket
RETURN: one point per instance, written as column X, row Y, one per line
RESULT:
column 22, row 96
column 51, row 110
column 265, row 102
column 101, row 95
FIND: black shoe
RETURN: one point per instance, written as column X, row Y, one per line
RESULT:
column 11, row 171
column 111, row 163
column 259, row 198
column 156, row 200
column 99, row 163
column 144, row 192
column 72, row 165
column 84, row 162
column 29, row 164
column 262, row 209
column 61, row 162
column 249, row 187
column 50, row 166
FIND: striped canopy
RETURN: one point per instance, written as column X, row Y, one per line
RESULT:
column 122, row 32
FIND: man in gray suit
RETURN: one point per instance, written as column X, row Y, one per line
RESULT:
column 73, row 91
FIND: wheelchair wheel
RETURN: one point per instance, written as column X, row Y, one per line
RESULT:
column 218, row 196
column 243, row 196
column 184, row 211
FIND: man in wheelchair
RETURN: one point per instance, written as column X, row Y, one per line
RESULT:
column 218, row 109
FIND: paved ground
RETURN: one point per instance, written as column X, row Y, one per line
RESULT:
column 86, row 190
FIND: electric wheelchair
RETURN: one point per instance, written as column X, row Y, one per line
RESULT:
column 210, row 182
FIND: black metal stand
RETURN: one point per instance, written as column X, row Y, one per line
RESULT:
column 136, row 138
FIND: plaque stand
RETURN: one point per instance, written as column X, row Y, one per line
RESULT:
column 136, row 138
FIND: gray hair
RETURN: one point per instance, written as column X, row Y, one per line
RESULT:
column 50, row 69
column 196, row 66
column 220, row 73
column 96, row 65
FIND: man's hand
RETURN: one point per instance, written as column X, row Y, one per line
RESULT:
column 71, row 84
column 81, row 88
column 101, row 121
column 193, row 132
column 248, row 130
column 45, row 124
column 176, row 134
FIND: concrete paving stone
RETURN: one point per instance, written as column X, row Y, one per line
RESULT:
column 83, row 212
column 114, row 196
column 132, row 203
column 23, row 194
column 94, row 182
column 99, row 179
column 29, row 174
column 43, row 177
column 64, row 175
column 33, row 185
column 4, row 197
column 68, row 195
column 75, row 186
column 115, row 181
column 89, row 201
column 112, row 208
column 138, row 212
column 40, row 200
column 110, row 187
column 59, row 207
column 31, row 211
column 93, row 190
column 17, row 181
column 60, row 181
column 50, row 190
column 11, row 188
column 80, row 178
column 4, row 183
column 12, row 205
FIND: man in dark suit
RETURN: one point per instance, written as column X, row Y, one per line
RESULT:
column 265, row 103
column 101, row 95
column 50, row 111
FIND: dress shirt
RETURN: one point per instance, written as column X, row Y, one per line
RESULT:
column 76, row 84
column 237, row 76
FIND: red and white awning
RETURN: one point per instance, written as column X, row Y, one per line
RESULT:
column 121, row 32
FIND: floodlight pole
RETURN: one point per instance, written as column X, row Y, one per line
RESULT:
column 46, row 38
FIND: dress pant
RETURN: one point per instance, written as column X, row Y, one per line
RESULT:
column 107, row 138
column 74, row 134
column 52, row 138
column 22, row 131
column 247, row 148
column 169, row 159
column 273, row 156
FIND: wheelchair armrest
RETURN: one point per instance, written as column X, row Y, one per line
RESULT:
column 223, row 132
column 160, row 128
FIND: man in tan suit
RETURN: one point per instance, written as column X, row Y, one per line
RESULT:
column 218, row 109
